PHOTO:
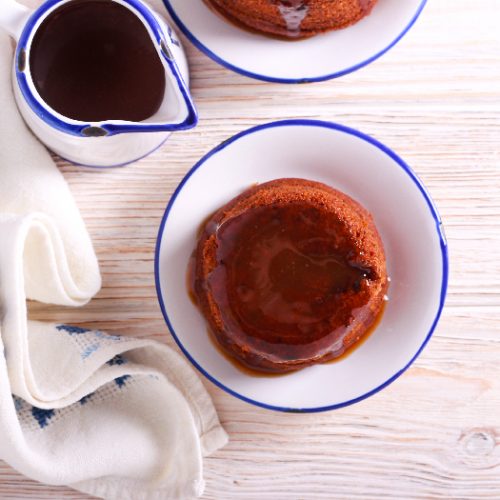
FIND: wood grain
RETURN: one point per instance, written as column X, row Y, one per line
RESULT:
column 435, row 433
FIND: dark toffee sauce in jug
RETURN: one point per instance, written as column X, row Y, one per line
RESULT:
column 94, row 60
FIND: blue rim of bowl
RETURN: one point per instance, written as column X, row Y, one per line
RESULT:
column 105, row 127
column 274, row 79
column 360, row 135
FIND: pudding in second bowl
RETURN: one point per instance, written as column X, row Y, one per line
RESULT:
column 288, row 274
column 293, row 18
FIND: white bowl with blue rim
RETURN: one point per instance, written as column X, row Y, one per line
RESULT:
column 405, row 215
column 321, row 57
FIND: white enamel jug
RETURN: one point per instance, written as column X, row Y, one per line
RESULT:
column 109, row 142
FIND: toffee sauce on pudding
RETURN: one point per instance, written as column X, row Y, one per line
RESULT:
column 287, row 284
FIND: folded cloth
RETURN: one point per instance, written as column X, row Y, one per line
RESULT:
column 116, row 417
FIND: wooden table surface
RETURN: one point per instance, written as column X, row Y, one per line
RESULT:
column 435, row 432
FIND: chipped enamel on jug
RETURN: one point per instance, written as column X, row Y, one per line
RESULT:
column 105, row 143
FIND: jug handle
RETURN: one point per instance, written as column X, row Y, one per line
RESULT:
column 13, row 17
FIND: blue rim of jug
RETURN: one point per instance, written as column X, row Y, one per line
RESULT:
column 413, row 177
column 108, row 127
column 274, row 79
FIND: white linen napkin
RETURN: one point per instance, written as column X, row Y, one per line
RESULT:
column 116, row 417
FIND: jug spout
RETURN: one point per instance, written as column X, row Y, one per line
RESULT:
column 177, row 110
